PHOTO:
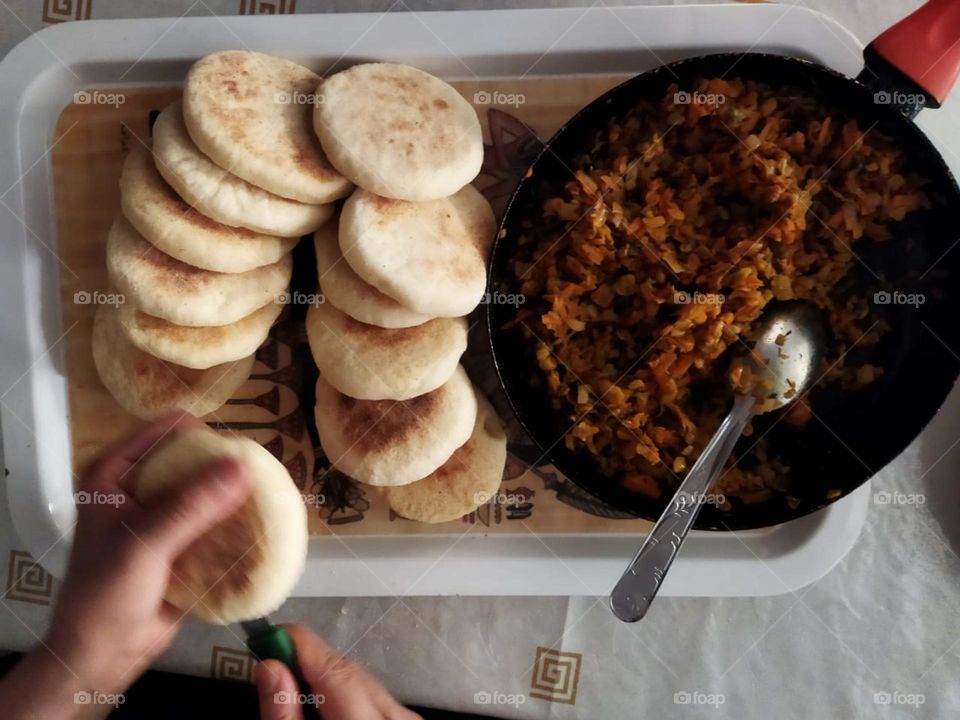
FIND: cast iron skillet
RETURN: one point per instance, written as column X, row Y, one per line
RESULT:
column 854, row 435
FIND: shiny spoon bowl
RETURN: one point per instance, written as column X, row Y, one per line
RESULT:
column 782, row 356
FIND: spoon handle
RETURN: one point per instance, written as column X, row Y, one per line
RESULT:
column 633, row 593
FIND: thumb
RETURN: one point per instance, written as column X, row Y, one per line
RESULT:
column 346, row 690
column 195, row 508
column 277, row 691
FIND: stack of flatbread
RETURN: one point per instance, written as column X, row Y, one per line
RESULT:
column 254, row 156
column 399, row 269
column 210, row 214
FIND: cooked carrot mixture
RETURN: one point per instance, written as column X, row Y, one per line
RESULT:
column 683, row 222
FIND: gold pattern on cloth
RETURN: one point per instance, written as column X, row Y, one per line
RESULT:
column 27, row 581
column 556, row 676
column 57, row 11
column 267, row 7
column 231, row 664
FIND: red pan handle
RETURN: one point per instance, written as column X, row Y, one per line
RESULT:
column 925, row 46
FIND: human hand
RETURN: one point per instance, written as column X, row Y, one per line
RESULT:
column 342, row 690
column 111, row 620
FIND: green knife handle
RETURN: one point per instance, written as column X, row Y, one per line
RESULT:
column 276, row 644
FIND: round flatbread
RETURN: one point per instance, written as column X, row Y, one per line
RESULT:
column 148, row 387
column 374, row 363
column 386, row 442
column 167, row 288
column 398, row 131
column 464, row 482
column 247, row 565
column 171, row 225
column 218, row 194
column 431, row 257
column 252, row 114
column 345, row 290
column 198, row 347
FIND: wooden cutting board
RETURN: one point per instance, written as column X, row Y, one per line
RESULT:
column 275, row 406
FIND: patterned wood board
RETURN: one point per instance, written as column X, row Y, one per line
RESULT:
column 275, row 405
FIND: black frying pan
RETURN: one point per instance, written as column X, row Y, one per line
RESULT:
column 857, row 433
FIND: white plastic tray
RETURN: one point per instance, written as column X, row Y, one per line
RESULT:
column 39, row 78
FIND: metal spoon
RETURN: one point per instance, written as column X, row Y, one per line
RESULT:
column 786, row 351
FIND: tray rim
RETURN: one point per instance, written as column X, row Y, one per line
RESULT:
column 42, row 511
